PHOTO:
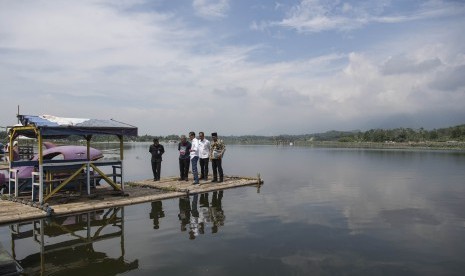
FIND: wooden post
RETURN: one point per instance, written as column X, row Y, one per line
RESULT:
column 259, row 183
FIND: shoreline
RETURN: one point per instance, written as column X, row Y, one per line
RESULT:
column 427, row 145
column 453, row 146
column 450, row 146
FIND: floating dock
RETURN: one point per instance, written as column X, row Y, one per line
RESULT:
column 22, row 209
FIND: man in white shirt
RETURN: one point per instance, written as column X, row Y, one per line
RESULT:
column 204, row 154
column 194, row 156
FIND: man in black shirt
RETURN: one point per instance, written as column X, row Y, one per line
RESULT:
column 184, row 148
column 157, row 151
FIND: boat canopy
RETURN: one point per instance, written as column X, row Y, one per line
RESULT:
column 51, row 127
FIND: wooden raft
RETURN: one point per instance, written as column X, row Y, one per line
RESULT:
column 105, row 197
column 173, row 184
column 14, row 211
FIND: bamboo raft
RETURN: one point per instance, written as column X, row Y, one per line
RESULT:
column 22, row 209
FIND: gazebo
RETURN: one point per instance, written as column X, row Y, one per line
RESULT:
column 43, row 127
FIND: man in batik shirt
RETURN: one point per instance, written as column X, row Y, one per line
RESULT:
column 217, row 149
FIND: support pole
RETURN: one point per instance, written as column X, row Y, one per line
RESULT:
column 10, row 147
column 121, row 154
column 41, row 169
column 88, row 137
column 10, row 158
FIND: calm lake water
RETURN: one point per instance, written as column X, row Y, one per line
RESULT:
column 321, row 212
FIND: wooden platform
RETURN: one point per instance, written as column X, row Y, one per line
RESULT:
column 14, row 211
column 173, row 184
column 105, row 197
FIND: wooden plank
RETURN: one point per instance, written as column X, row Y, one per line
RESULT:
column 77, row 208
column 14, row 211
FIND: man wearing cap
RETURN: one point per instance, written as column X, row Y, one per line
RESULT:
column 194, row 154
column 217, row 149
column 157, row 151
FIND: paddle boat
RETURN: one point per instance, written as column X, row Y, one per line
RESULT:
column 51, row 152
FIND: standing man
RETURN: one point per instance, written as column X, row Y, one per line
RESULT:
column 217, row 150
column 184, row 148
column 194, row 154
column 204, row 154
column 157, row 151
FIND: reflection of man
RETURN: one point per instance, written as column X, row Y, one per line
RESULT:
column 216, row 211
column 157, row 213
column 157, row 151
column 184, row 148
column 217, row 150
column 184, row 212
column 194, row 154
column 204, row 212
column 204, row 152
column 194, row 219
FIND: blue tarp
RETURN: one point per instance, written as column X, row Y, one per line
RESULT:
column 59, row 127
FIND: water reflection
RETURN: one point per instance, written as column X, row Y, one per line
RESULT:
column 194, row 219
column 216, row 211
column 73, row 244
column 156, row 213
column 201, row 214
column 321, row 212
column 66, row 244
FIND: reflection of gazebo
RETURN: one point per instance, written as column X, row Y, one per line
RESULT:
column 67, row 244
column 51, row 127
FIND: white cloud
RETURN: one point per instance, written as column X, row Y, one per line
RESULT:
column 284, row 96
column 312, row 16
column 211, row 9
column 450, row 79
column 231, row 92
column 152, row 69
column 402, row 64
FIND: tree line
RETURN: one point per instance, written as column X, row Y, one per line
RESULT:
column 396, row 135
column 399, row 135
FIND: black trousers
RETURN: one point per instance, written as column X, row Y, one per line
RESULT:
column 204, row 168
column 184, row 168
column 156, row 168
column 217, row 169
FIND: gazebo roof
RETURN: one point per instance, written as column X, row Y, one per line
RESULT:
column 58, row 127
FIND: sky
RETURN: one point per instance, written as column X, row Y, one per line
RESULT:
column 242, row 67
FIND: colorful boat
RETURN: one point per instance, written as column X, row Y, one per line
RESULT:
column 51, row 152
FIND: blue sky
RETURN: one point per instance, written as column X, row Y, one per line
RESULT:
column 236, row 67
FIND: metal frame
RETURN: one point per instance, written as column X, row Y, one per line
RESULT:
column 87, row 164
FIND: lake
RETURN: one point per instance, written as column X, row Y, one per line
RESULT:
column 321, row 211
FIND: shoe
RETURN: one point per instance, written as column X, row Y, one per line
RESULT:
column 221, row 180
column 180, row 179
column 154, row 179
column 214, row 180
column 187, row 179
column 195, row 183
